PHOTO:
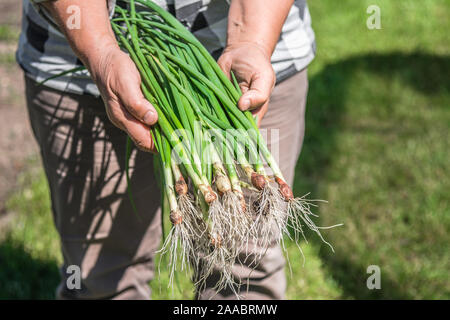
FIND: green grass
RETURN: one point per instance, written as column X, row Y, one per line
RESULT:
column 8, row 33
column 29, row 251
column 376, row 147
column 7, row 59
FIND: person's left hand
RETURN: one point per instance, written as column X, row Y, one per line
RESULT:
column 251, row 65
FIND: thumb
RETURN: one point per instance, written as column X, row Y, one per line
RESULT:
column 142, row 110
column 257, row 94
column 136, row 104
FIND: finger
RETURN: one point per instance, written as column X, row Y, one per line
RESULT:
column 225, row 64
column 256, row 111
column 138, row 132
column 133, row 100
column 258, row 93
column 110, row 106
column 141, row 136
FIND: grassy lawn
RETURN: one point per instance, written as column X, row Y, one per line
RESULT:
column 376, row 147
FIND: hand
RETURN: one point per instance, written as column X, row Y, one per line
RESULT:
column 115, row 74
column 251, row 65
column 119, row 83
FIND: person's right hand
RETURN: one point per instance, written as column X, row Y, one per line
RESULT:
column 118, row 81
column 115, row 74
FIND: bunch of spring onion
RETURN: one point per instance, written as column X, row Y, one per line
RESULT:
column 211, row 154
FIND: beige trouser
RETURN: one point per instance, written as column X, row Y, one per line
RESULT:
column 84, row 158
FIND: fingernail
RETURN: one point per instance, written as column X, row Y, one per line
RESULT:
column 149, row 118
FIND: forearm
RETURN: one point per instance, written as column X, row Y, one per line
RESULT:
column 94, row 36
column 257, row 21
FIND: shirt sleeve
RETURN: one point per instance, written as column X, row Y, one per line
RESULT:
column 46, row 15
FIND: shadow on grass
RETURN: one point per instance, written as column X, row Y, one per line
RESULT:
column 329, row 89
column 23, row 276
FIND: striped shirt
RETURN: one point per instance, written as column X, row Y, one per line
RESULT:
column 43, row 50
